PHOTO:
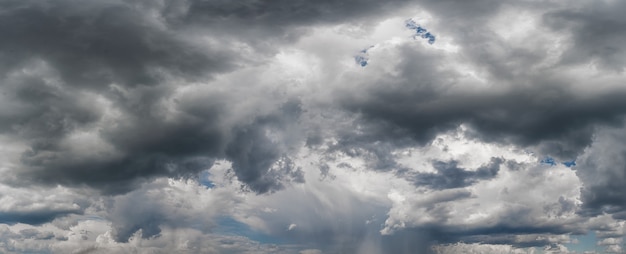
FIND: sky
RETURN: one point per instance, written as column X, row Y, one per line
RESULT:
column 308, row 127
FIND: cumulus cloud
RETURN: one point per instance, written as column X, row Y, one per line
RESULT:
column 601, row 168
column 38, row 205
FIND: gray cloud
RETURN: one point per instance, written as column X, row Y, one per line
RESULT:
column 160, row 205
column 75, row 50
column 136, row 55
column 34, row 217
column 258, row 16
column 111, row 96
column 419, row 106
column 253, row 153
column 597, row 31
column 601, row 168
column 36, row 234
column 94, row 44
column 36, row 206
column 531, row 108
column 449, row 175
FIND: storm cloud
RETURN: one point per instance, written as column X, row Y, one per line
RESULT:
column 312, row 126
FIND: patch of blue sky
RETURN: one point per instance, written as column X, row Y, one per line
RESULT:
column 548, row 161
column 361, row 60
column 569, row 164
column 410, row 24
column 420, row 31
column 552, row 162
column 582, row 243
column 430, row 37
column 230, row 226
column 203, row 179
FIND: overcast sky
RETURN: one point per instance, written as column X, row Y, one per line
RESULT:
column 307, row 127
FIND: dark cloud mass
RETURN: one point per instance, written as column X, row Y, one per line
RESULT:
column 95, row 44
column 544, row 114
column 598, row 33
column 449, row 175
column 110, row 111
column 78, row 52
column 33, row 217
column 603, row 169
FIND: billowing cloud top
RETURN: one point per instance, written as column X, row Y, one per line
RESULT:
column 203, row 126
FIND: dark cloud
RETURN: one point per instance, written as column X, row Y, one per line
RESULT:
column 531, row 108
column 546, row 114
column 77, row 52
column 253, row 153
column 136, row 55
column 257, row 17
column 40, row 110
column 253, row 156
column 112, row 95
column 603, row 173
column 96, row 44
column 35, row 217
column 148, row 147
column 598, row 34
column 508, row 232
column 449, row 175
column 74, row 53
column 459, row 11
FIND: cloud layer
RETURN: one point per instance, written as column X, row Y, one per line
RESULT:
column 204, row 126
